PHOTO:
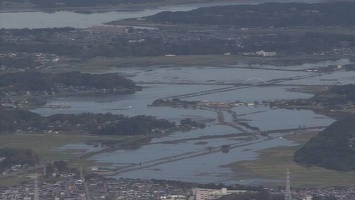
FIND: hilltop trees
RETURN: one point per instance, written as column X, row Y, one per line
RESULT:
column 265, row 15
column 12, row 120
column 333, row 148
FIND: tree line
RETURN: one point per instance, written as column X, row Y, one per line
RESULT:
column 38, row 81
column 15, row 156
column 337, row 95
column 14, row 120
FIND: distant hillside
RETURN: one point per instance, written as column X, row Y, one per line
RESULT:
column 265, row 15
column 333, row 148
column 336, row 96
column 86, row 3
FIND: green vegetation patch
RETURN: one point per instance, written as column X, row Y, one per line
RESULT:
column 335, row 96
column 14, row 156
column 272, row 164
column 45, row 144
column 60, row 82
column 16, row 120
column 104, row 64
column 100, row 64
column 333, row 148
column 11, row 181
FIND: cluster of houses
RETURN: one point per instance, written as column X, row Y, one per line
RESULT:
column 261, row 53
column 40, row 61
column 70, row 187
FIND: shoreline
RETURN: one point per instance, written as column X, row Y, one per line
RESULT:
column 127, row 7
column 88, row 10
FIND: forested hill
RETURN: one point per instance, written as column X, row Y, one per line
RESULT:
column 333, row 148
column 336, row 95
column 265, row 15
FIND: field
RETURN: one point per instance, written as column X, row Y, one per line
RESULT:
column 4, row 182
column 104, row 64
column 272, row 164
column 44, row 144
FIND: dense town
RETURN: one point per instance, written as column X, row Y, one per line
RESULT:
column 71, row 187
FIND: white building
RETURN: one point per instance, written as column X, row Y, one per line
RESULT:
column 210, row 194
column 265, row 53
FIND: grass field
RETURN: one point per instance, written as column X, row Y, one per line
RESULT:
column 272, row 164
column 44, row 144
column 101, row 64
column 104, row 64
column 14, row 181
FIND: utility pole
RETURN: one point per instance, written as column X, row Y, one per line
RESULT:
column 36, row 196
column 44, row 169
column 288, row 186
column 82, row 174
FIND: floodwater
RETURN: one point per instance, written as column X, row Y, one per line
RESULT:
column 184, row 156
column 18, row 20
column 203, row 169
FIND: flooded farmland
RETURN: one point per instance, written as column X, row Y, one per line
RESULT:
column 196, row 155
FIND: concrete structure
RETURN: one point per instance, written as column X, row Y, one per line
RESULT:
column 265, row 53
column 210, row 194
column 36, row 195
